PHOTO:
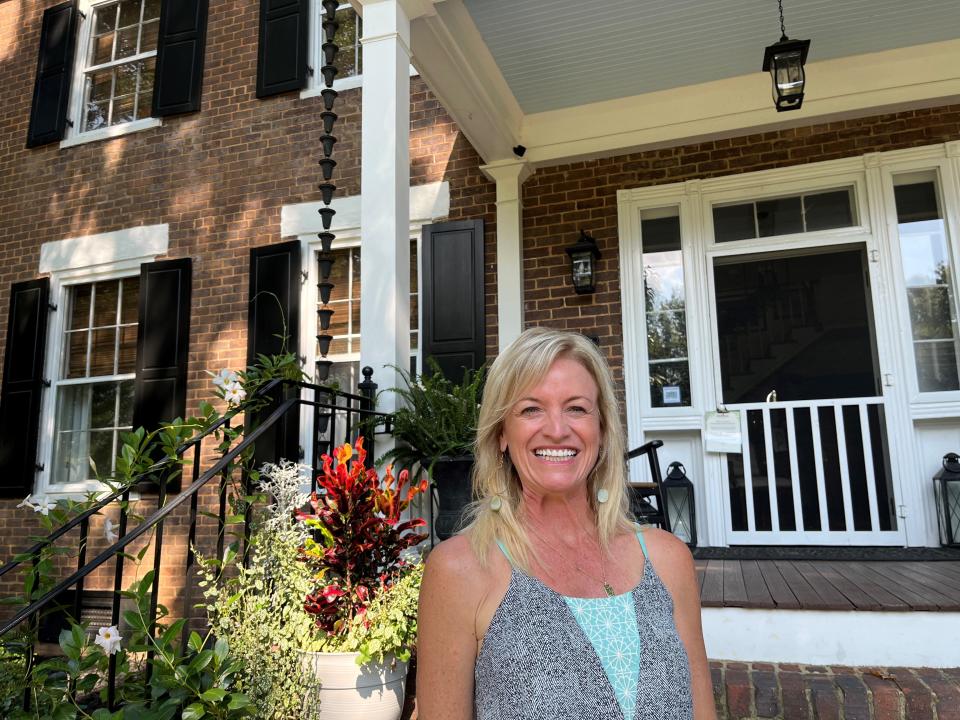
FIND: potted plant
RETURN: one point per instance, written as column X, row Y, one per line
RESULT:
column 324, row 613
column 435, row 428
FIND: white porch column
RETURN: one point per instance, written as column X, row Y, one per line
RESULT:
column 509, row 176
column 385, row 193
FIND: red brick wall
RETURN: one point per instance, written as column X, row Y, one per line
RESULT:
column 558, row 201
column 219, row 177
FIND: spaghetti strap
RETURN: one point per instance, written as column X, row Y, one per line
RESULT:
column 503, row 549
column 643, row 545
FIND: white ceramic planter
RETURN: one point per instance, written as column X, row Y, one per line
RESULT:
column 349, row 692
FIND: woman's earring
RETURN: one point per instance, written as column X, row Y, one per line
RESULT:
column 602, row 495
column 496, row 503
column 500, row 463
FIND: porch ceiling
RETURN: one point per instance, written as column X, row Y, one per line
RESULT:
column 571, row 80
column 559, row 53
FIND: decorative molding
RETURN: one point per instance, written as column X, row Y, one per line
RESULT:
column 935, row 411
column 132, row 245
column 427, row 203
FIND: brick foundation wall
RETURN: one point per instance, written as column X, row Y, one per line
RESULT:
column 558, row 201
column 218, row 177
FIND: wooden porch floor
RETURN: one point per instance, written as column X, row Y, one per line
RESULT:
column 830, row 585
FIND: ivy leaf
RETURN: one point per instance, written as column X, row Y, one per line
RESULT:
column 213, row 695
column 194, row 711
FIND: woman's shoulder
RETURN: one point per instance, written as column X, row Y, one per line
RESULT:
column 455, row 561
column 670, row 557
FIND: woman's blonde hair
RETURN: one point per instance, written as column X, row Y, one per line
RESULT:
column 523, row 364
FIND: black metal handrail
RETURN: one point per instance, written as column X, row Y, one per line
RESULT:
column 358, row 413
column 152, row 470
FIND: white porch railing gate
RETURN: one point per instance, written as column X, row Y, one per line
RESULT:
column 811, row 472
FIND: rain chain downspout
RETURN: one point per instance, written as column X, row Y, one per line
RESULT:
column 327, row 164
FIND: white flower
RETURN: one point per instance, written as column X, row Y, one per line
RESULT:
column 234, row 393
column 224, row 378
column 42, row 505
column 109, row 639
column 108, row 531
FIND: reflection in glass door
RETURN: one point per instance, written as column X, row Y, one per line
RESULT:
column 797, row 358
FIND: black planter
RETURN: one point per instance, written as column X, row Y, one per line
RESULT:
column 451, row 479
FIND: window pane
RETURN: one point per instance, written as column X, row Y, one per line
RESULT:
column 129, row 13
column 669, row 384
column 77, row 354
column 665, row 307
column 916, row 202
column 105, row 298
column 125, row 416
column 346, row 38
column 105, row 19
column 127, row 42
column 936, row 366
column 102, row 352
column 131, row 298
column 667, row 335
column 127, row 359
column 148, row 37
column 734, row 222
column 127, row 80
column 151, row 9
column 825, row 211
column 123, row 110
column 80, row 307
column 103, row 402
column 97, row 115
column 930, row 313
column 782, row 216
column 71, row 463
column 102, row 49
column 101, row 451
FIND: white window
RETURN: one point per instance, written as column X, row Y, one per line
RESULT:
column 345, row 321
column 112, row 90
column 928, row 275
column 91, row 353
column 349, row 60
column 94, row 387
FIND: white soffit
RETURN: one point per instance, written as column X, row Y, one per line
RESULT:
column 559, row 53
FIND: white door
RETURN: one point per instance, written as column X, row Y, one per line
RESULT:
column 795, row 355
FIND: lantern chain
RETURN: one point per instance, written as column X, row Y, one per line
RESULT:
column 783, row 29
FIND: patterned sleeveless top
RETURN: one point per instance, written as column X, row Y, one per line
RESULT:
column 546, row 655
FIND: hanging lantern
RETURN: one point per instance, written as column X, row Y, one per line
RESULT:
column 784, row 60
column 583, row 260
column 678, row 497
column 946, row 489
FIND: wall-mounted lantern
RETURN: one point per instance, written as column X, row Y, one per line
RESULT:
column 583, row 263
column 784, row 60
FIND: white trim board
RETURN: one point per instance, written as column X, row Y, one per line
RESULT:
column 86, row 253
column 427, row 202
column 821, row 637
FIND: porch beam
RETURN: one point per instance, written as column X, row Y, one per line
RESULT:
column 509, row 175
column 385, row 188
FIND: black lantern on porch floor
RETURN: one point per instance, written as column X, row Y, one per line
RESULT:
column 946, row 489
column 583, row 263
column 678, row 498
column 784, row 60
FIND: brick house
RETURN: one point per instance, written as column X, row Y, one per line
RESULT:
column 792, row 268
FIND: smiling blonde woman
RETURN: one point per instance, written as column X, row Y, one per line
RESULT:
column 552, row 603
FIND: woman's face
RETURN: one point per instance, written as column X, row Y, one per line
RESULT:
column 553, row 431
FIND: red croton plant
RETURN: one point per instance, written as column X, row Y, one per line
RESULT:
column 358, row 537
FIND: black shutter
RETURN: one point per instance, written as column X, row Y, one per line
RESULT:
column 273, row 328
column 22, row 386
column 163, row 337
column 180, row 52
column 452, row 296
column 51, row 89
column 282, row 50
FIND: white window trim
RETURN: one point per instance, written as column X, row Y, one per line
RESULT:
column 70, row 262
column 315, row 83
column 74, row 135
